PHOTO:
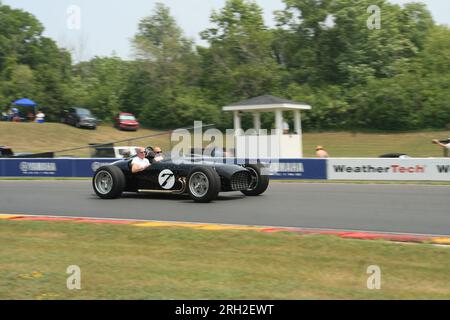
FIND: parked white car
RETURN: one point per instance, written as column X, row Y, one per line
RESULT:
column 114, row 152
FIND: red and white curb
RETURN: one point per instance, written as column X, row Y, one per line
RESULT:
column 346, row 234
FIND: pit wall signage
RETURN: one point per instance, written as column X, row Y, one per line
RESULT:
column 287, row 169
column 284, row 169
column 415, row 169
column 67, row 168
column 298, row 169
column 427, row 169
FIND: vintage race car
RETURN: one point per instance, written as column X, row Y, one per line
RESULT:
column 201, row 180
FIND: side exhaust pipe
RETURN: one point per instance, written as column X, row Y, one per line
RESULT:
column 179, row 191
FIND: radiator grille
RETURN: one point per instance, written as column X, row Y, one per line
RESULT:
column 240, row 181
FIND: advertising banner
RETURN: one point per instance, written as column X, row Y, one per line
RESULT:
column 286, row 169
column 37, row 168
column 299, row 169
column 420, row 169
column 85, row 168
column 67, row 168
column 431, row 169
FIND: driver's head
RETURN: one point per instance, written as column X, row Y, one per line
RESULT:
column 157, row 150
column 158, row 154
column 140, row 153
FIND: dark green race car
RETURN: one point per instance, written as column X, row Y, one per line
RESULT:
column 201, row 180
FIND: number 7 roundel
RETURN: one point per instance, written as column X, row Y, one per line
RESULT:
column 166, row 179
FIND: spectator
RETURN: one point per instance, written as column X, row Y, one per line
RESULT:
column 140, row 162
column 10, row 114
column 285, row 127
column 15, row 115
column 446, row 146
column 321, row 153
column 30, row 116
column 5, row 116
column 40, row 117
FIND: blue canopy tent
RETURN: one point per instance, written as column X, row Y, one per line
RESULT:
column 26, row 103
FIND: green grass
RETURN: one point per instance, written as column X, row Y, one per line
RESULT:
column 32, row 137
column 127, row 262
column 372, row 145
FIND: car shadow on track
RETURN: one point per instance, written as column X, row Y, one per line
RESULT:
column 172, row 197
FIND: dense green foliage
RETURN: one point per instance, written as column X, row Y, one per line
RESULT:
column 321, row 52
column 31, row 65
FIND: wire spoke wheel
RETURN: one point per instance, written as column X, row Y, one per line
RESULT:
column 254, row 178
column 258, row 183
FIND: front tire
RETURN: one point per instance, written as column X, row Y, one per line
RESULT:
column 260, row 183
column 203, row 184
column 109, row 182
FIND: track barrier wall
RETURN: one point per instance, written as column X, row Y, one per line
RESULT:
column 58, row 168
column 412, row 169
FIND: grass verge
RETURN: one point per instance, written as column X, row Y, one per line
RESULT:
column 127, row 262
column 372, row 145
column 33, row 137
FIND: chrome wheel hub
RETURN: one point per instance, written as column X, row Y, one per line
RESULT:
column 103, row 182
column 198, row 184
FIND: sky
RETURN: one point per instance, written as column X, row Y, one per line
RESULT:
column 107, row 26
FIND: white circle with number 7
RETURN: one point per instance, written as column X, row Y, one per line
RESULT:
column 166, row 179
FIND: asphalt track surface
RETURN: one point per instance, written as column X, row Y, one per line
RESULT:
column 417, row 209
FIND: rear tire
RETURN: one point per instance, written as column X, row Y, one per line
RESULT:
column 203, row 184
column 260, row 183
column 109, row 182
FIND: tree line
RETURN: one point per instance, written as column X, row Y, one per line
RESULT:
column 321, row 52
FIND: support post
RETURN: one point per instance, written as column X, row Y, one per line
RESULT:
column 237, row 121
column 279, row 121
column 257, row 121
column 297, row 122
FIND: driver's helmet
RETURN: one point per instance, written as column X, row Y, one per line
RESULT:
column 154, row 154
column 150, row 154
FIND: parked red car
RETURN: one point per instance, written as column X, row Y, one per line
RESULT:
column 126, row 121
